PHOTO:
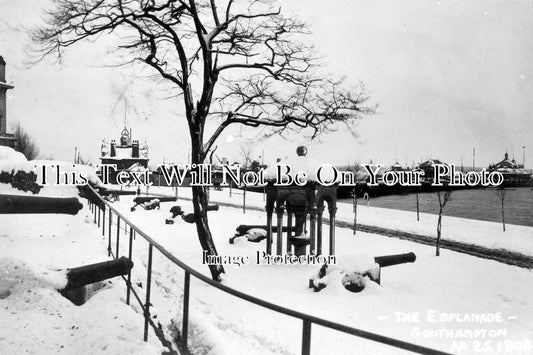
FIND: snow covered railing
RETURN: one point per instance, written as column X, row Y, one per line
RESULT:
column 99, row 206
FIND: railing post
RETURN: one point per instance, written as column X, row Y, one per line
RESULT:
column 244, row 200
column 118, row 235
column 109, row 234
column 185, row 323
column 148, row 286
column 99, row 211
column 103, row 220
column 306, row 337
column 110, row 222
column 128, row 283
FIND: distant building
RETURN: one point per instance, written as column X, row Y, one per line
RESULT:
column 398, row 167
column 5, row 138
column 128, row 155
column 427, row 168
column 513, row 173
column 506, row 165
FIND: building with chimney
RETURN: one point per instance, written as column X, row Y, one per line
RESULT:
column 127, row 155
column 5, row 138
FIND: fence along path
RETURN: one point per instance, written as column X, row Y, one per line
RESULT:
column 100, row 207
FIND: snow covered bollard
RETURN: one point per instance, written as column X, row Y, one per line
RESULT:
column 354, row 278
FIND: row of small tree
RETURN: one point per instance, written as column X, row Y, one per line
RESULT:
column 443, row 198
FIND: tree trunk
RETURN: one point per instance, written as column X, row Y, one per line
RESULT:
column 439, row 223
column 417, row 208
column 354, row 213
column 200, row 202
column 503, row 217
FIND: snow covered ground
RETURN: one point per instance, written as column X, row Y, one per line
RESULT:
column 483, row 233
column 427, row 302
column 35, row 250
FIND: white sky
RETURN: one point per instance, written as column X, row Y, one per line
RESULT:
column 449, row 76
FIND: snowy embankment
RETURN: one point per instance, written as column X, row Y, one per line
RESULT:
column 483, row 233
column 35, row 251
column 430, row 302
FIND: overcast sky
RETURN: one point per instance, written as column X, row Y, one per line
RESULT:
column 449, row 76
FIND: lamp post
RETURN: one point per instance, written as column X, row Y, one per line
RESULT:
column 524, row 159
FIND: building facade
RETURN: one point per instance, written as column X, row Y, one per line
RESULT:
column 6, row 139
column 127, row 155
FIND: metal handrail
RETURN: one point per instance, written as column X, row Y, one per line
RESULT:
column 306, row 318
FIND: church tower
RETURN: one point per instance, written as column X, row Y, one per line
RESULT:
column 5, row 138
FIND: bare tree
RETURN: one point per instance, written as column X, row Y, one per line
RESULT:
column 443, row 200
column 232, row 62
column 247, row 151
column 25, row 143
column 501, row 192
